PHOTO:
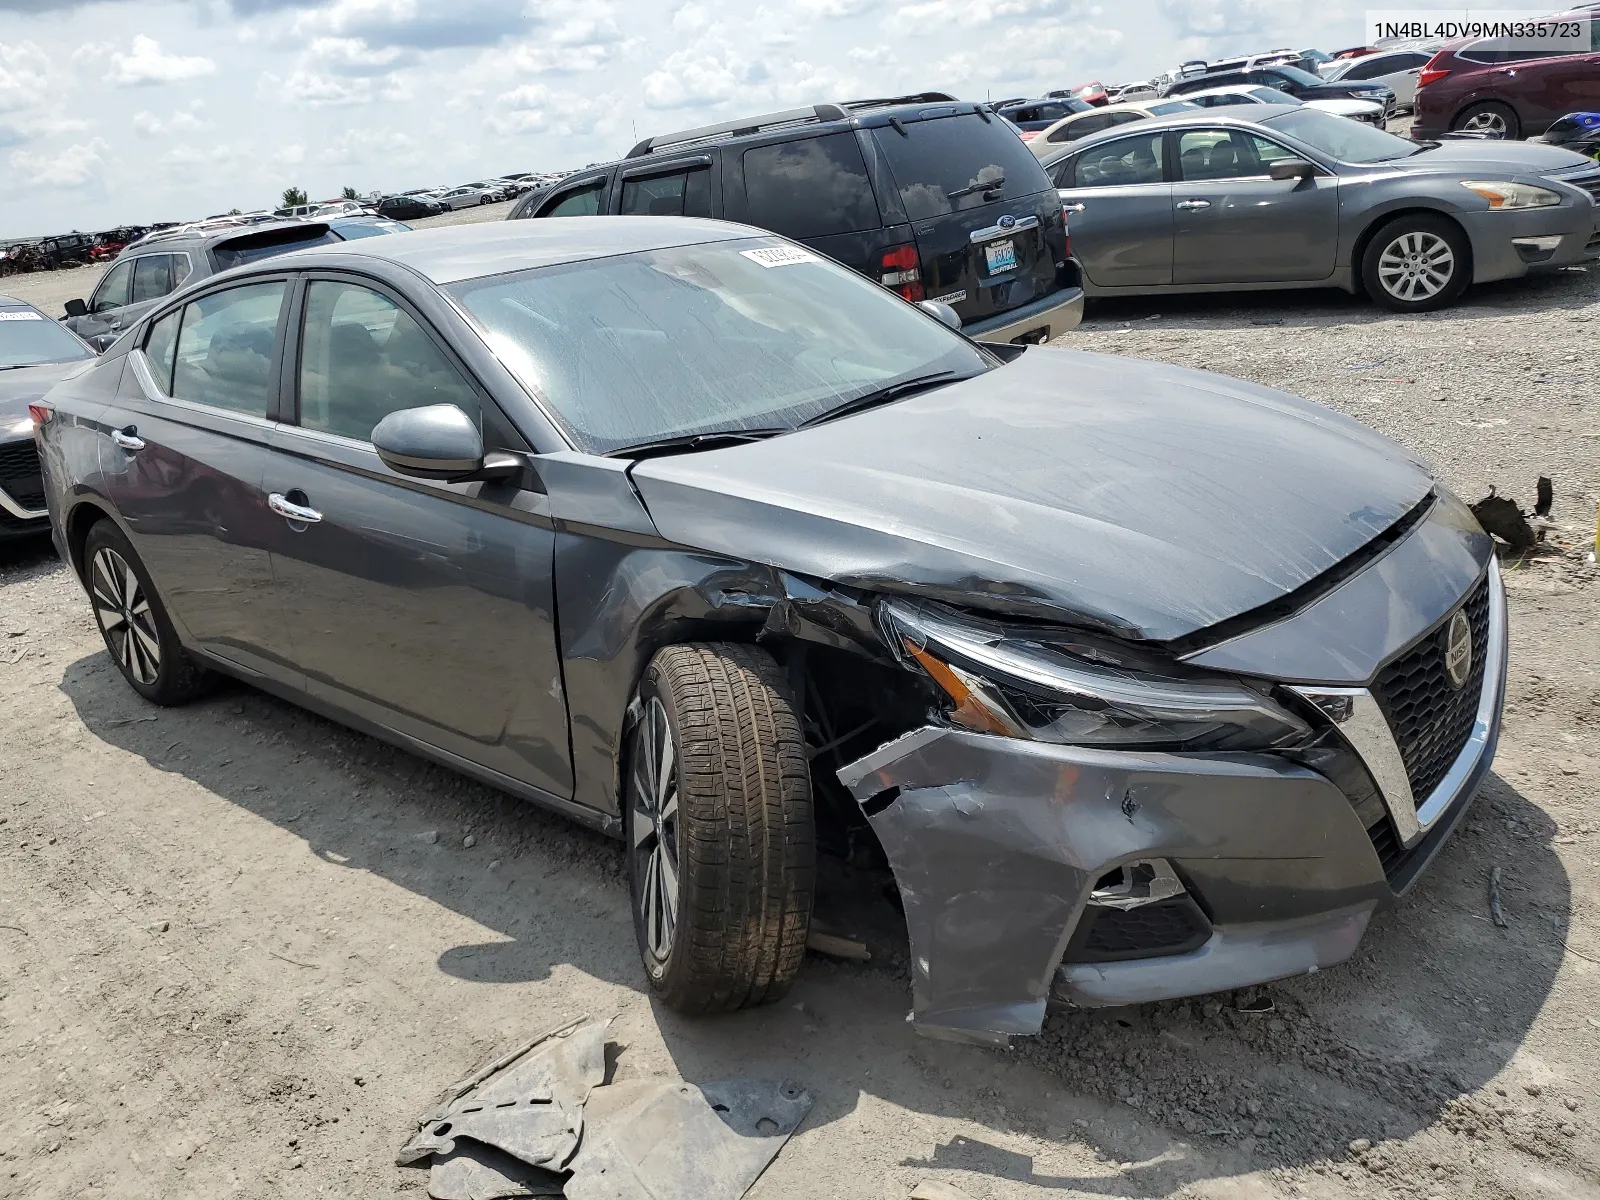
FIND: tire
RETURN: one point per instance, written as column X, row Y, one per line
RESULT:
column 1417, row 263
column 126, row 606
column 731, row 820
column 1489, row 117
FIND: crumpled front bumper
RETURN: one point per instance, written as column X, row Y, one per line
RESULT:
column 997, row 844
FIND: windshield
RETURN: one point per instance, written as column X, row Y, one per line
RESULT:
column 28, row 338
column 750, row 334
column 1341, row 138
column 1171, row 106
column 1304, row 78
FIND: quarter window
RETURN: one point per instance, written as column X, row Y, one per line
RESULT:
column 579, row 202
column 363, row 357
column 810, row 188
column 113, row 290
column 681, row 194
column 225, row 349
column 160, row 348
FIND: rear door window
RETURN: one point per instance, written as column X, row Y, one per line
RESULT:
column 679, row 194
column 152, row 277
column 225, row 348
column 815, row 187
column 1127, row 160
column 950, row 164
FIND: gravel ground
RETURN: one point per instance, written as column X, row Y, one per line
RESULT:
column 240, row 947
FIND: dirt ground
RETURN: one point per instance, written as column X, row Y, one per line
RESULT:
column 241, row 948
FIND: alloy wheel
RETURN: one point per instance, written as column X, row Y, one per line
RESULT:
column 1416, row 266
column 653, row 797
column 1487, row 121
column 123, row 611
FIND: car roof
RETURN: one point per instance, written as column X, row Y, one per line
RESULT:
column 458, row 252
column 842, row 115
column 1259, row 113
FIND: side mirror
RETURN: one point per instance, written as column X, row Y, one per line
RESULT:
column 77, row 308
column 102, row 342
column 1292, row 168
column 438, row 441
column 942, row 311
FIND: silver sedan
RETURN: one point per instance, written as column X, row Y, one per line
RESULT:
column 1289, row 197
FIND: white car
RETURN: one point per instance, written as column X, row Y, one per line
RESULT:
column 340, row 208
column 463, row 197
column 1367, row 111
column 1396, row 70
column 1081, row 124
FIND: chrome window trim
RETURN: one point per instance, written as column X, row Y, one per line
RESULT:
column 1355, row 712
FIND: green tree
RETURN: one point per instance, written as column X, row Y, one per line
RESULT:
column 350, row 194
column 293, row 196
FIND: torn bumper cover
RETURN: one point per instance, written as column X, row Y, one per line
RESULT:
column 1219, row 870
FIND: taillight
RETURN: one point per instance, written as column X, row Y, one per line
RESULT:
column 1431, row 73
column 901, row 272
column 41, row 414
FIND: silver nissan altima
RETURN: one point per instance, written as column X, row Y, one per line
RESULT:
column 1142, row 682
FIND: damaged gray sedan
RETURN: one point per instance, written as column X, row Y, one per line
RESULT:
column 1145, row 682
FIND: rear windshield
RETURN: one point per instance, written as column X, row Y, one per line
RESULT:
column 253, row 247
column 28, row 338
column 950, row 164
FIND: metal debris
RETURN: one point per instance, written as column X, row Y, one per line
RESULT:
column 1495, row 912
column 541, row 1121
column 668, row 1140
column 1504, row 518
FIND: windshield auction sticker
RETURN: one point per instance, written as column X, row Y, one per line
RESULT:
column 779, row 256
column 20, row 316
column 1513, row 30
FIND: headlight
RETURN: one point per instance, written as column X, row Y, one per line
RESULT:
column 1076, row 691
column 1502, row 193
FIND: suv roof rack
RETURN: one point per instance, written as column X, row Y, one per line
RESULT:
column 790, row 116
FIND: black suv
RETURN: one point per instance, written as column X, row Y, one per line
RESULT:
column 937, row 199
column 1303, row 85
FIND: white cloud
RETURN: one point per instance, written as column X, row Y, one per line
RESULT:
column 72, row 167
column 415, row 23
column 24, row 76
column 931, row 14
column 833, row 8
column 370, row 145
column 352, row 56
column 1220, row 18
column 187, row 119
column 691, row 18
column 147, row 63
column 534, row 108
column 316, row 89
column 695, row 78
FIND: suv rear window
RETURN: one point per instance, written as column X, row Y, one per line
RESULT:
column 949, row 164
column 235, row 252
column 810, row 188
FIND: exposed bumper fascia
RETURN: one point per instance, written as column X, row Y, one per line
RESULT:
column 1056, row 313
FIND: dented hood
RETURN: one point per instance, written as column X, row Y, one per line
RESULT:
column 1147, row 499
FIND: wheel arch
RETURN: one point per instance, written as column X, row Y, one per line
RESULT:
column 1379, row 220
column 87, row 511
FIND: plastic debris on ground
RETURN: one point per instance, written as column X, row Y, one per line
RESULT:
column 542, row 1121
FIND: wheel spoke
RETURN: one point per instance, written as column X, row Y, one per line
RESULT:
column 148, row 644
column 669, row 884
column 130, row 586
column 664, row 772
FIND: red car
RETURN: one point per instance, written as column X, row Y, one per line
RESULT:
column 1491, row 87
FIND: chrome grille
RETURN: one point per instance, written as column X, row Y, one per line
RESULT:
column 1431, row 720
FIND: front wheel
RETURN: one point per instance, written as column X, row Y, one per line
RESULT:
column 1416, row 264
column 720, row 829
column 138, row 633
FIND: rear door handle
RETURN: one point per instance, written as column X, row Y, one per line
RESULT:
column 1193, row 204
column 284, row 507
column 127, row 440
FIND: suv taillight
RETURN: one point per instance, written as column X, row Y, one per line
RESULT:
column 901, row 272
column 1431, row 73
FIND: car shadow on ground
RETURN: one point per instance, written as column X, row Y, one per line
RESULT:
column 1569, row 288
column 1178, row 1092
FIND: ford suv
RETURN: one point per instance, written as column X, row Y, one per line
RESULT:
column 935, row 198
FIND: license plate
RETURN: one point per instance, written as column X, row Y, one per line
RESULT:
column 1002, row 256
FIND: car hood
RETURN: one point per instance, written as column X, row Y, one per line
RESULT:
column 1516, row 158
column 1144, row 499
column 21, row 386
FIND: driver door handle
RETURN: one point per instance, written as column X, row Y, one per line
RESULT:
column 1192, row 204
column 280, row 504
column 126, row 439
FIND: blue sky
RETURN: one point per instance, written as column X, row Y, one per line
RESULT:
column 139, row 111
